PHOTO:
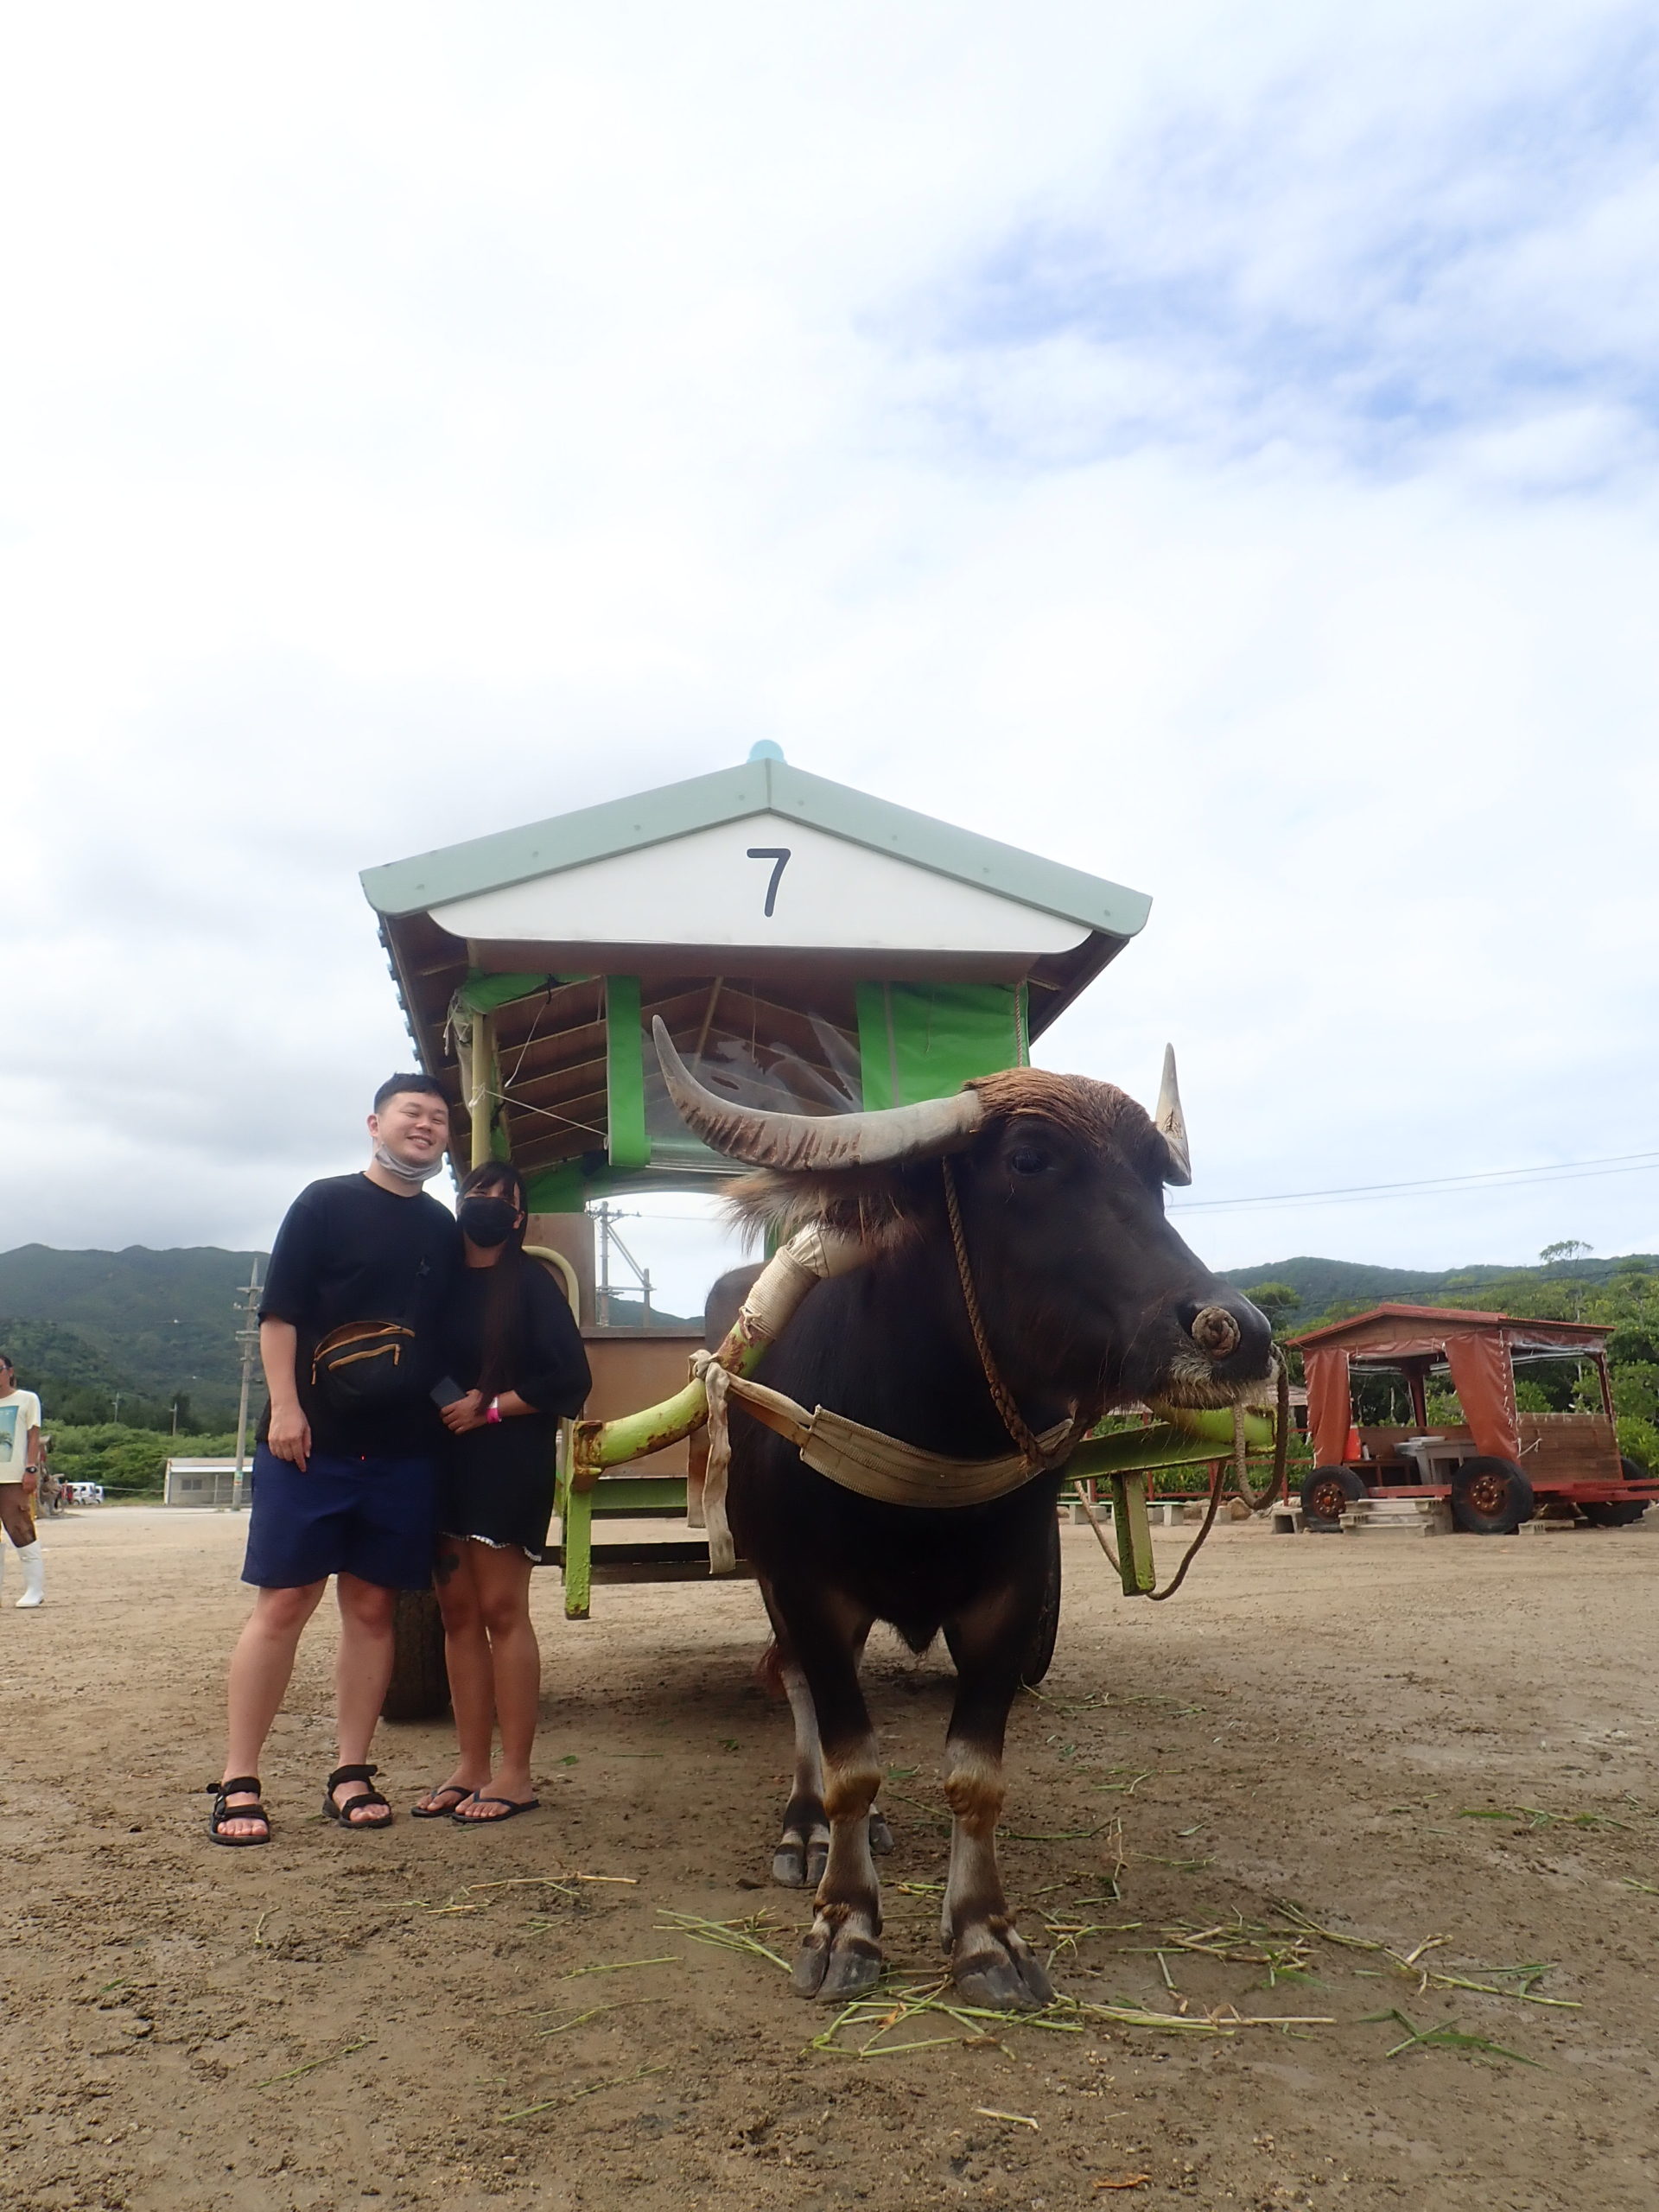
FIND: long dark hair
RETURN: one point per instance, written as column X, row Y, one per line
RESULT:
column 504, row 1296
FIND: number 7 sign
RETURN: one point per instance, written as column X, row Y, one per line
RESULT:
column 778, row 855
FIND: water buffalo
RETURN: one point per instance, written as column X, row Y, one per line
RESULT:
column 1019, row 1269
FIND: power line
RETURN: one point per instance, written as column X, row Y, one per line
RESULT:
column 1566, row 1171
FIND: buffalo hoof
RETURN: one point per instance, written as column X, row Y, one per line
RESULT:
column 836, row 1965
column 798, row 1862
column 1002, row 1973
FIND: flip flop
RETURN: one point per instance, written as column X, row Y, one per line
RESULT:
column 431, row 1811
column 514, row 1807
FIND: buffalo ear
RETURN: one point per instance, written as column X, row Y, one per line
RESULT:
column 1171, row 1124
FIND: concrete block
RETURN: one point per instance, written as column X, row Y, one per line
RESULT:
column 1388, row 1516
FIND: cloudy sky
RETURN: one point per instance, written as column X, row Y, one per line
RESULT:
column 1213, row 445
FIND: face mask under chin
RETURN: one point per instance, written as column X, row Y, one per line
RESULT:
column 406, row 1170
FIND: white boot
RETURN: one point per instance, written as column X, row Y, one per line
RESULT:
column 33, row 1567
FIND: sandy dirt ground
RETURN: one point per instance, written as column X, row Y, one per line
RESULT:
column 435, row 2015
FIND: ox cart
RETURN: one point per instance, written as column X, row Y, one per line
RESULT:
column 1496, row 1467
column 801, row 948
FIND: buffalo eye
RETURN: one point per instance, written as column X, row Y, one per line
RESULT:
column 1027, row 1159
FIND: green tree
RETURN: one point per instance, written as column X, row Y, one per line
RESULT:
column 1636, row 1388
column 129, row 1462
column 1570, row 1247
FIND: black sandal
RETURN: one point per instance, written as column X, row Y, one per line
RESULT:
column 238, row 1785
column 371, row 1796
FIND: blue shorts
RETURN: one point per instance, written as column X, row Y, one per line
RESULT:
column 376, row 1519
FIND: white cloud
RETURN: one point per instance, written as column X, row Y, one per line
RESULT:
column 1214, row 449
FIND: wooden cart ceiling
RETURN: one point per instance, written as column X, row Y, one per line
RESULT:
column 673, row 887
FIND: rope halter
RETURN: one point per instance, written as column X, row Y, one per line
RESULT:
column 1036, row 1460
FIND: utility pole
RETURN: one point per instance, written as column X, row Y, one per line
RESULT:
column 607, row 1215
column 248, row 1336
column 116, row 1415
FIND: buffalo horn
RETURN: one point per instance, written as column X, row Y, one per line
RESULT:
column 1172, row 1123
column 821, row 1142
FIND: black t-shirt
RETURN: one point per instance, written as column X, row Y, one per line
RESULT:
column 551, row 1371
column 349, row 1251
column 500, row 1478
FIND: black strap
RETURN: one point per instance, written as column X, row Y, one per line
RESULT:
column 238, row 1785
column 352, row 1774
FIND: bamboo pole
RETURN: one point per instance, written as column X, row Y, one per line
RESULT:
column 480, row 1084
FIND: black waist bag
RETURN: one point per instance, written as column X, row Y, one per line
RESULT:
column 365, row 1367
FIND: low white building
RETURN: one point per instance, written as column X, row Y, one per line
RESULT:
column 199, row 1482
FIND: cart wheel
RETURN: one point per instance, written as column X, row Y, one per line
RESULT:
column 419, row 1688
column 1039, row 1652
column 1490, row 1498
column 1327, row 1493
column 1610, row 1515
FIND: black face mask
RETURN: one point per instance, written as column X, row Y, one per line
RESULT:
column 488, row 1222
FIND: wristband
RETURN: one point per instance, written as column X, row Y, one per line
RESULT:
column 492, row 1411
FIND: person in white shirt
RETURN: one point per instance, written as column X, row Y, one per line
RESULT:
column 20, row 1479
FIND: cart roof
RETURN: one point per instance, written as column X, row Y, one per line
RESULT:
column 768, row 896
column 1417, row 1331
column 654, row 879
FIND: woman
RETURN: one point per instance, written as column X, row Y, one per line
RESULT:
column 512, row 1348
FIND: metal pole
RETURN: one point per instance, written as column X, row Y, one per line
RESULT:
column 248, row 1337
column 1605, row 1382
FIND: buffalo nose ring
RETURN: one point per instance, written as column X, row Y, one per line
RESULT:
column 1216, row 1333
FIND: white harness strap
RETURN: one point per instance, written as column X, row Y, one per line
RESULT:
column 859, row 1459
column 810, row 1255
column 723, row 1553
column 865, row 1460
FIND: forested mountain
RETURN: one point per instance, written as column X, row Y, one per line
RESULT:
column 156, row 1329
column 159, row 1327
column 154, row 1326
column 1323, row 1284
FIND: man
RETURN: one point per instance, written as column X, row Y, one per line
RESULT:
column 344, row 1469
column 20, row 1475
